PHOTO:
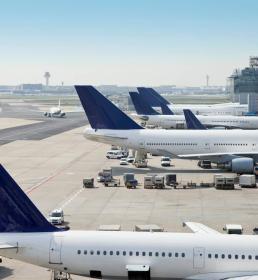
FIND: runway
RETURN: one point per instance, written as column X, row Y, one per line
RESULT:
column 43, row 127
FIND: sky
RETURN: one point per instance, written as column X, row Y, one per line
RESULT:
column 126, row 42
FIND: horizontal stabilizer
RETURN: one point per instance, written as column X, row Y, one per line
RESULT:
column 200, row 228
column 141, row 106
column 102, row 113
column 191, row 121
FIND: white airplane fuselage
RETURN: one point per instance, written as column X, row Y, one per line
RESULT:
column 168, row 255
column 234, row 109
column 180, row 142
column 174, row 121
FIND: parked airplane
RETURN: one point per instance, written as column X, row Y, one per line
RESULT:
column 237, row 149
column 146, row 113
column 55, row 112
column 155, row 100
column 26, row 235
column 191, row 120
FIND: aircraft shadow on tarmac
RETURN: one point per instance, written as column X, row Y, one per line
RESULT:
column 5, row 272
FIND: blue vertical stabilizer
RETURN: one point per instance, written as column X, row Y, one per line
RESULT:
column 101, row 113
column 153, row 97
column 17, row 212
column 191, row 121
column 141, row 106
column 166, row 110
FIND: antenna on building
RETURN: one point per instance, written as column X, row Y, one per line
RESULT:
column 47, row 76
column 207, row 80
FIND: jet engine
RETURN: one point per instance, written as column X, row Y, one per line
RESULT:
column 242, row 165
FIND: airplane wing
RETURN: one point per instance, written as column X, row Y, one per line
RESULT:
column 200, row 228
column 244, row 275
column 7, row 246
column 199, row 156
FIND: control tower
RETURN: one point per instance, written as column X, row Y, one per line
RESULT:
column 47, row 77
column 244, row 85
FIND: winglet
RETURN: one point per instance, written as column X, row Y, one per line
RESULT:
column 18, row 213
column 191, row 121
column 102, row 113
column 141, row 107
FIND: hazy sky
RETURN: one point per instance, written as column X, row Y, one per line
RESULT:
column 126, row 42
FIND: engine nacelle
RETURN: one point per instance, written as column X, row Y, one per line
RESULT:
column 242, row 165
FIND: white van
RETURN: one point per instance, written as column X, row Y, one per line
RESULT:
column 114, row 154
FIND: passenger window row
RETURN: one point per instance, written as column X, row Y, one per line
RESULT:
column 130, row 253
column 230, row 144
column 232, row 256
column 172, row 144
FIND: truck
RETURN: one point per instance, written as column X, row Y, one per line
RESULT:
column 88, row 183
column 141, row 163
column 105, row 175
column 159, row 182
column 171, row 180
column 56, row 217
column 247, row 180
column 129, row 180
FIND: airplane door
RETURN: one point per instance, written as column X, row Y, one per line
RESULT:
column 55, row 250
column 198, row 257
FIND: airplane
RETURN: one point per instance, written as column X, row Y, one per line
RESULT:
column 170, row 120
column 192, row 121
column 156, row 99
column 55, row 111
column 27, row 236
column 237, row 150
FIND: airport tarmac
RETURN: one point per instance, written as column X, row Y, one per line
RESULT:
column 50, row 170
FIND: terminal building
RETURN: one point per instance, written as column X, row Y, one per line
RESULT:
column 244, row 85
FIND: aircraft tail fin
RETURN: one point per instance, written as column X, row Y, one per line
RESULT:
column 191, row 120
column 141, row 107
column 166, row 110
column 102, row 113
column 154, row 98
column 18, row 213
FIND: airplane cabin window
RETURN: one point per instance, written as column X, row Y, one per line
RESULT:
column 130, row 253
column 85, row 252
column 110, row 253
column 124, row 253
column 209, row 256
column 223, row 256
column 157, row 254
column 169, row 255
column 163, row 254
column 236, row 257
column 183, row 255
column 143, row 254
column 249, row 257
column 137, row 254
column 98, row 252
column 150, row 254
column 176, row 255
column 104, row 253
column 117, row 253
column 256, row 257
column 229, row 256
column 91, row 252
column 79, row 252
column 216, row 256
